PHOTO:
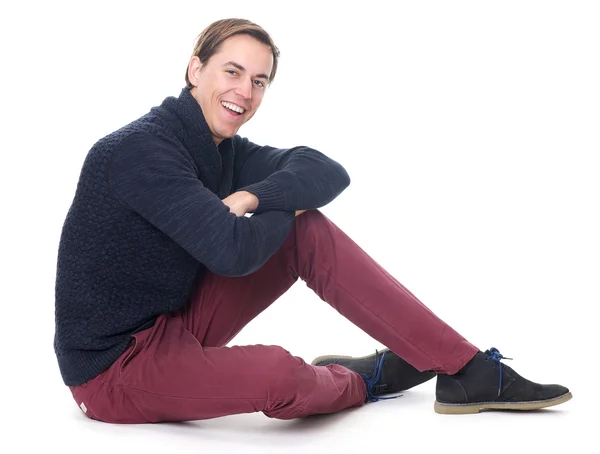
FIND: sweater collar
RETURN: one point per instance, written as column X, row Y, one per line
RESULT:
column 186, row 121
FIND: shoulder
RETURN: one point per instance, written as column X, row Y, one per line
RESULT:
column 142, row 149
column 147, row 129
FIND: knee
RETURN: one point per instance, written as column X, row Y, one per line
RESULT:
column 312, row 217
column 287, row 374
column 313, row 225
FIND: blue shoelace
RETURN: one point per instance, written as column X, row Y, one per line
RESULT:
column 374, row 378
column 495, row 355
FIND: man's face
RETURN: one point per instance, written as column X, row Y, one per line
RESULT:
column 233, row 80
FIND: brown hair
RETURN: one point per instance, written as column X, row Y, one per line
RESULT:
column 209, row 41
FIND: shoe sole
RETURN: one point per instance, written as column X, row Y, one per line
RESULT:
column 464, row 409
column 319, row 359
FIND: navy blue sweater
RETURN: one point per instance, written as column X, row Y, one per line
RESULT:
column 147, row 220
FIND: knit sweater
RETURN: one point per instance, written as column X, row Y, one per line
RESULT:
column 147, row 220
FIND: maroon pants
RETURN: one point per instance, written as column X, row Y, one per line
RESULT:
column 180, row 369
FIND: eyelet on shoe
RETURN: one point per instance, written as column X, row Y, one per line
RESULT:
column 370, row 382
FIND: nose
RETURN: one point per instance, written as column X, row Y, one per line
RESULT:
column 244, row 88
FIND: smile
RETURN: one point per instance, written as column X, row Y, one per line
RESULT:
column 232, row 107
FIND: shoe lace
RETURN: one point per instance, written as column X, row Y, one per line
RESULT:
column 495, row 355
column 374, row 378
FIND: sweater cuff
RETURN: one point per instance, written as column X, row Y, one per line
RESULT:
column 270, row 197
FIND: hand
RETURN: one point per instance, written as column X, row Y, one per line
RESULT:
column 299, row 212
column 241, row 202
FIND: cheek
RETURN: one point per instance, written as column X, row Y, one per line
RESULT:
column 257, row 98
column 221, row 87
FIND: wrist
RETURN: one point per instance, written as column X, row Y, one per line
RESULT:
column 269, row 194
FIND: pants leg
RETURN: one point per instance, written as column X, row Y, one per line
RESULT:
column 166, row 375
column 344, row 276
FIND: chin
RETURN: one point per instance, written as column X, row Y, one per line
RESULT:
column 227, row 134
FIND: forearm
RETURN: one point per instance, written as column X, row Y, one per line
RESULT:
column 302, row 188
column 243, row 202
column 250, row 246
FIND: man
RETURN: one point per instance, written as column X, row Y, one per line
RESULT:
column 159, row 268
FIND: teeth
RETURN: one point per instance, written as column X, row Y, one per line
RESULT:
column 233, row 107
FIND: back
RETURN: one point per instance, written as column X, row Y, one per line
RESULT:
column 115, row 271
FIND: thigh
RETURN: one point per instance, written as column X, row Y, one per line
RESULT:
column 221, row 306
column 166, row 375
column 169, row 376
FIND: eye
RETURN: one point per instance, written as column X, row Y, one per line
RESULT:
column 231, row 71
column 259, row 83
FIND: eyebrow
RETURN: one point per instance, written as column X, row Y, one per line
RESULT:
column 241, row 68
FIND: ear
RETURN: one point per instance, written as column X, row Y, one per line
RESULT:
column 194, row 67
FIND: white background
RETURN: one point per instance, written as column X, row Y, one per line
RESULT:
column 470, row 130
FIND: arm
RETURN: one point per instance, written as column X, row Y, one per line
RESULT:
column 298, row 178
column 159, row 183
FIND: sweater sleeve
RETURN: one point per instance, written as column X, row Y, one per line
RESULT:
column 298, row 178
column 159, row 183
